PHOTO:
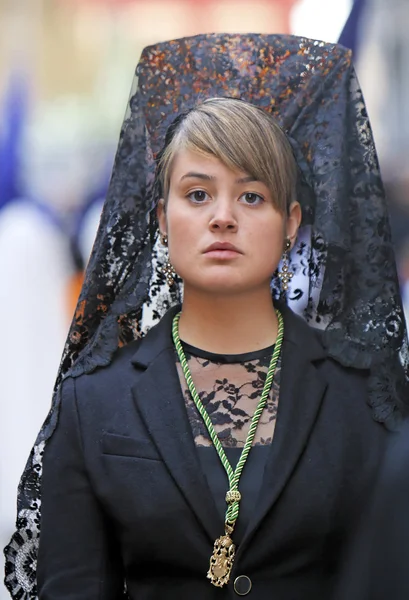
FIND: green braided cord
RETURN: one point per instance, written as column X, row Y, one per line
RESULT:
column 234, row 476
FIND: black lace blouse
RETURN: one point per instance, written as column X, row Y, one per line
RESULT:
column 230, row 387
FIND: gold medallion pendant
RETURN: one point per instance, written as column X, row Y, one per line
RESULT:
column 221, row 561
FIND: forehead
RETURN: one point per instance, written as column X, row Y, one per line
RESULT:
column 187, row 162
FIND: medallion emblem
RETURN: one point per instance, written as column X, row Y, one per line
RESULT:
column 221, row 561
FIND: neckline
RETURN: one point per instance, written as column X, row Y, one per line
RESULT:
column 227, row 358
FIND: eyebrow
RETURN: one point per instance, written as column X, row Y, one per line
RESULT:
column 204, row 176
column 248, row 179
column 194, row 175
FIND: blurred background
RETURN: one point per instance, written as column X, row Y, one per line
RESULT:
column 66, row 68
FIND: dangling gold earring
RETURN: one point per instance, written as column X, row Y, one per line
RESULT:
column 168, row 269
column 285, row 274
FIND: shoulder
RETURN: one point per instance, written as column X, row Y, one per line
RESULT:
column 350, row 406
column 119, row 366
column 105, row 394
column 126, row 365
column 340, row 374
column 312, row 343
column 347, row 401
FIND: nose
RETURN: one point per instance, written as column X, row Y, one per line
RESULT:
column 223, row 217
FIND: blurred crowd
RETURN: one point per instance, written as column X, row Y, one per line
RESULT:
column 65, row 71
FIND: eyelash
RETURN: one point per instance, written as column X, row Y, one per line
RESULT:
column 190, row 196
column 261, row 199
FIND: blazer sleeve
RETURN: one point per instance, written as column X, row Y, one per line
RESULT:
column 78, row 555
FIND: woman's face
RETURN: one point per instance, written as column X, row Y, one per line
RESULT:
column 224, row 234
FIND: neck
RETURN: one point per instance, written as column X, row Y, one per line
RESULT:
column 228, row 324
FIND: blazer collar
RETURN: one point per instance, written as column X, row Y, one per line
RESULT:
column 296, row 333
column 156, row 340
column 159, row 401
column 301, row 337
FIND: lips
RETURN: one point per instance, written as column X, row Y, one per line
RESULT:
column 222, row 247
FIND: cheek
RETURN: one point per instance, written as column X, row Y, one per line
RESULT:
column 180, row 228
column 183, row 235
column 267, row 238
column 266, row 250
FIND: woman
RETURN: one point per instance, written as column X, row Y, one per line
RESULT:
column 143, row 478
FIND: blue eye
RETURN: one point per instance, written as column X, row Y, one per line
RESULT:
column 198, row 196
column 251, row 198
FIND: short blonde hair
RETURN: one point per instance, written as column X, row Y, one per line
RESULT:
column 243, row 137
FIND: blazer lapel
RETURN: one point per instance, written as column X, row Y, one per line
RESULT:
column 159, row 401
column 301, row 394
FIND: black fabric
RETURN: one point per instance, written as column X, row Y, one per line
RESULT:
column 250, row 481
column 344, row 281
column 227, row 358
column 131, row 488
column 377, row 562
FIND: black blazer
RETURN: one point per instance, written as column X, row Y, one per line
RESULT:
column 124, row 497
column 377, row 566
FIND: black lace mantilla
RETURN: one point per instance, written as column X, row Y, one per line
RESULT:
column 345, row 277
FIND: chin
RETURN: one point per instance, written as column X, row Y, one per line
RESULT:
column 225, row 280
column 220, row 286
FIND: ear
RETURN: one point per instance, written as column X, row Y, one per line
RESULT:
column 161, row 216
column 293, row 221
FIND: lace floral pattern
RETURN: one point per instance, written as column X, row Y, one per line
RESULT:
column 230, row 391
column 345, row 279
